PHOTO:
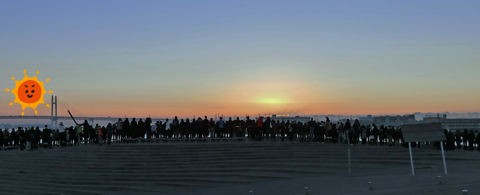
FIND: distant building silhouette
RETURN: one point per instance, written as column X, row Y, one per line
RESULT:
column 395, row 121
column 455, row 124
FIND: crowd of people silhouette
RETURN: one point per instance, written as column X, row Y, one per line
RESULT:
column 202, row 130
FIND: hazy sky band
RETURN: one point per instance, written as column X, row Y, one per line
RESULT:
column 233, row 57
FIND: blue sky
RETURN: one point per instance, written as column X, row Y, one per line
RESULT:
column 205, row 57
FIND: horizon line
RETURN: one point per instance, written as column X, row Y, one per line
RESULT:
column 233, row 115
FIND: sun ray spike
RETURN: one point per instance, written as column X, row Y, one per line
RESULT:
column 7, row 90
column 47, row 105
column 37, row 72
column 50, row 91
column 36, row 112
column 48, row 80
column 10, row 104
column 23, row 113
column 12, row 78
column 24, row 71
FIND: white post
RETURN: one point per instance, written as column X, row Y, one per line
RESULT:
column 443, row 158
column 411, row 158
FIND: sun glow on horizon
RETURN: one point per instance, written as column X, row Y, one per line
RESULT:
column 272, row 101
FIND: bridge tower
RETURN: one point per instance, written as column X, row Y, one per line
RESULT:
column 54, row 112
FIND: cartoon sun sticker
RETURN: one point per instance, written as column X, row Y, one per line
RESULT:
column 29, row 92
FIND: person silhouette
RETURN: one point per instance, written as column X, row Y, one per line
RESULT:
column 220, row 127
column 477, row 139
column 133, row 128
column 99, row 133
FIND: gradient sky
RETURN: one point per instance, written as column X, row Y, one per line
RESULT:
column 164, row 58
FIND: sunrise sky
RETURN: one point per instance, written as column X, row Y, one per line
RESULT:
column 207, row 57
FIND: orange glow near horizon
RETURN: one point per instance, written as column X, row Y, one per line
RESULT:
column 272, row 101
column 260, row 97
column 212, row 109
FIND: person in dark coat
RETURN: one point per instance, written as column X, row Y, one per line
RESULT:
column 21, row 138
column 133, row 128
column 109, row 133
column 471, row 139
column 47, row 137
column 477, row 139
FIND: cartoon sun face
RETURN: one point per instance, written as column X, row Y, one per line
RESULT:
column 29, row 92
